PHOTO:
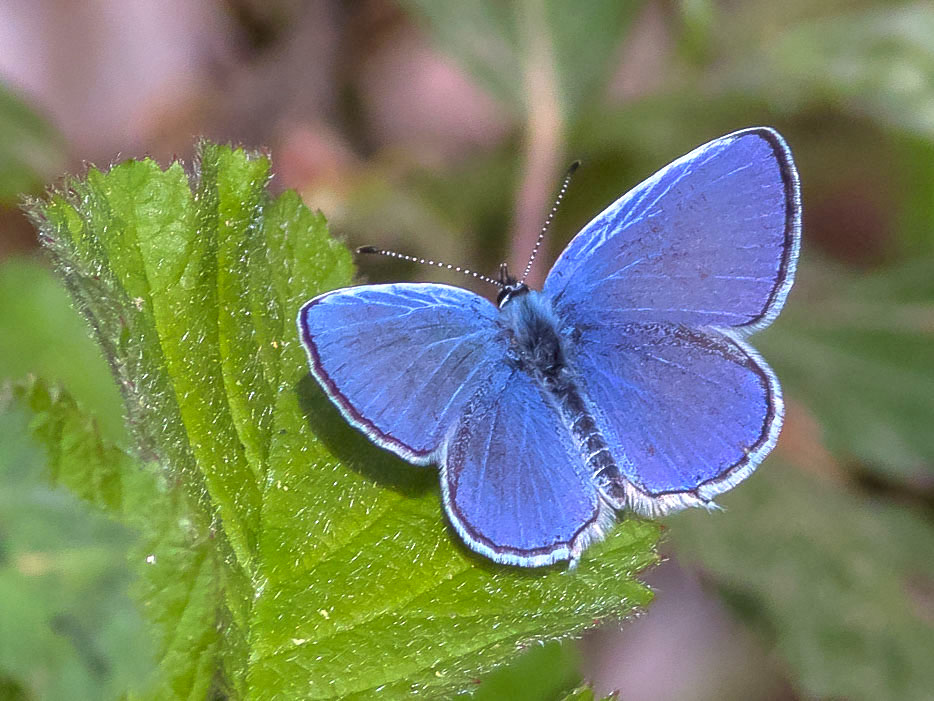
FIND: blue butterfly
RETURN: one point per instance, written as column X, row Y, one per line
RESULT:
column 625, row 383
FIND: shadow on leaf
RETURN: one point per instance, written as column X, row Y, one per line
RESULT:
column 355, row 450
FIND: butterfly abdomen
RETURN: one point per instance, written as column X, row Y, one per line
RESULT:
column 539, row 347
column 577, row 415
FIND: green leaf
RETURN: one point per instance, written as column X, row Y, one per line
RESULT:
column 860, row 352
column 77, row 457
column 586, row 693
column 499, row 43
column 840, row 583
column 289, row 557
column 541, row 672
column 69, row 628
column 31, row 151
column 180, row 570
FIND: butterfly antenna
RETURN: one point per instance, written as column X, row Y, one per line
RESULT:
column 424, row 261
column 551, row 215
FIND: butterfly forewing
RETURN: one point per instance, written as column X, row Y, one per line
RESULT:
column 401, row 360
column 710, row 240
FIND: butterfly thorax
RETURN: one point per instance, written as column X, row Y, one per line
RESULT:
column 536, row 342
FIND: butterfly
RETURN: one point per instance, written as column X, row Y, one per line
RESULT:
column 626, row 382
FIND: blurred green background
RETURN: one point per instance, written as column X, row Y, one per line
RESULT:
column 441, row 128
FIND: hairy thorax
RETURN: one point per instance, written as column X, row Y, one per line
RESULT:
column 537, row 345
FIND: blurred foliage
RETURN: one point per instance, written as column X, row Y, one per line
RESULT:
column 827, row 560
column 860, row 353
column 502, row 43
column 272, row 565
column 843, row 585
column 69, row 628
column 31, row 151
column 878, row 61
column 41, row 334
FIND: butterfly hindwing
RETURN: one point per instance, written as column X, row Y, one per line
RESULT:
column 710, row 240
column 401, row 360
column 687, row 413
column 514, row 484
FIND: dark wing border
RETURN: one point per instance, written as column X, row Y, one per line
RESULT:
column 347, row 410
column 786, row 272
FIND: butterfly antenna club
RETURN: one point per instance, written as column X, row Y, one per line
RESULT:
column 551, row 215
column 373, row 250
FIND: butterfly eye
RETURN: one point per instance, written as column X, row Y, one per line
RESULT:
column 511, row 291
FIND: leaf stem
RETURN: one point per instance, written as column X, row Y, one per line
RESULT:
column 544, row 136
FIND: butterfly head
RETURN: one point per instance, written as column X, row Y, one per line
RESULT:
column 511, row 287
